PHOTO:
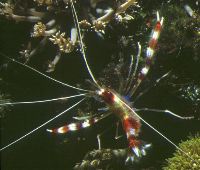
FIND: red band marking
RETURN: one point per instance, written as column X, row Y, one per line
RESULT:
column 141, row 76
column 130, row 123
column 108, row 97
column 158, row 26
column 65, row 129
column 133, row 142
column 153, row 43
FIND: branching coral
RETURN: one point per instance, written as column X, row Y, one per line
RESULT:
column 49, row 20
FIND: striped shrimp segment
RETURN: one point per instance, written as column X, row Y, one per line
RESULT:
column 73, row 126
column 149, row 53
column 78, row 125
column 151, row 49
column 132, row 129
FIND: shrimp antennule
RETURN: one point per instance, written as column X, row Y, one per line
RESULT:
column 43, row 101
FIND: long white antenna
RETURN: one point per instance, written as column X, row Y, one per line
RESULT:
column 130, row 79
column 42, row 101
column 33, row 69
column 81, row 42
column 165, row 111
column 45, row 123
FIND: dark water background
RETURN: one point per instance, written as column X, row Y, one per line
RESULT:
column 43, row 151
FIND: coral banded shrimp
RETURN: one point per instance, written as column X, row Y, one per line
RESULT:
column 114, row 102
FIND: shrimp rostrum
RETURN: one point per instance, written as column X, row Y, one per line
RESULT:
column 114, row 100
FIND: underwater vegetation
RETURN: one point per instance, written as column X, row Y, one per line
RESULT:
column 179, row 161
column 117, row 39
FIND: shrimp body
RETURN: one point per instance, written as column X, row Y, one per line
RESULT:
column 117, row 104
column 130, row 122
